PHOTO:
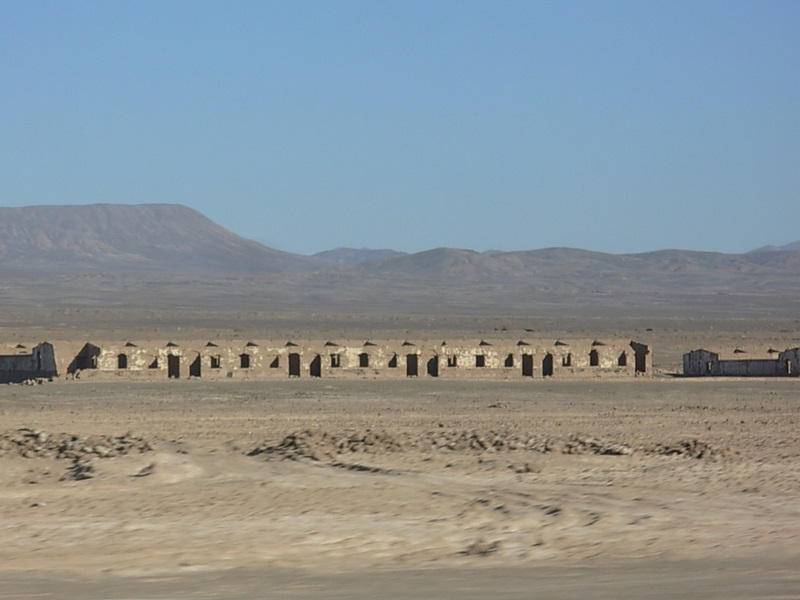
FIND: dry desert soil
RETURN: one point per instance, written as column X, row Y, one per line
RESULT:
column 660, row 487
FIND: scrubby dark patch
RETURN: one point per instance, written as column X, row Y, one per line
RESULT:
column 330, row 446
column 362, row 468
column 690, row 448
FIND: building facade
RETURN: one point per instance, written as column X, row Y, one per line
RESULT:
column 20, row 364
column 704, row 363
column 352, row 359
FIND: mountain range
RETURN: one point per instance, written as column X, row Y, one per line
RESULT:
column 141, row 238
column 172, row 243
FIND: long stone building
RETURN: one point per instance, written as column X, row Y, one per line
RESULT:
column 739, row 363
column 351, row 359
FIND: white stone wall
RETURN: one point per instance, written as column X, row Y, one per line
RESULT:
column 271, row 359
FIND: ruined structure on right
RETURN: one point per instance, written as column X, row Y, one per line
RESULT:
column 703, row 363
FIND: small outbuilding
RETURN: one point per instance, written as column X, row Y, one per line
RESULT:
column 740, row 363
column 40, row 363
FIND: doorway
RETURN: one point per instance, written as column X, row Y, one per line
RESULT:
column 173, row 366
column 547, row 365
column 527, row 365
column 433, row 366
column 294, row 365
column 194, row 368
column 315, row 368
column 412, row 365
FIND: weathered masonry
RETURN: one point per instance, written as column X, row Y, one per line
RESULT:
column 353, row 359
column 21, row 364
column 703, row 363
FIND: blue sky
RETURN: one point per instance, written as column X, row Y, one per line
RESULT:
column 611, row 126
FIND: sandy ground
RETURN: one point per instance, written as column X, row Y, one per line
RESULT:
column 660, row 488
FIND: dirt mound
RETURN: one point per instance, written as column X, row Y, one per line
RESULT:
column 691, row 448
column 34, row 443
column 323, row 445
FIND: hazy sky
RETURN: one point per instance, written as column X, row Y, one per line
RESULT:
column 606, row 125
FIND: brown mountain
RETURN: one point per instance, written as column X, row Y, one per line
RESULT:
column 790, row 246
column 153, row 238
column 170, row 256
column 571, row 269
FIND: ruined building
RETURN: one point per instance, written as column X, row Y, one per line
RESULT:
column 20, row 364
column 352, row 359
column 738, row 363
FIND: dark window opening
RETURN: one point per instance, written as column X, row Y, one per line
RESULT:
column 216, row 362
column 480, row 360
column 363, row 360
column 336, row 361
column 566, row 361
column 622, row 361
column 452, row 361
column 509, row 361
column 594, row 358
column 393, row 362
column 122, row 361
column 276, row 363
column 244, row 361
column 154, row 364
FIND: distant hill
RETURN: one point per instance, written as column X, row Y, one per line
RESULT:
column 156, row 255
column 142, row 238
column 572, row 269
column 353, row 256
column 790, row 247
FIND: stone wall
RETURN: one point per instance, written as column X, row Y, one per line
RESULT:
column 19, row 364
column 353, row 359
column 703, row 363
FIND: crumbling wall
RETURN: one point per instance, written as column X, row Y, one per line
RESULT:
column 753, row 367
column 40, row 363
column 789, row 362
column 703, row 363
column 351, row 359
column 700, row 362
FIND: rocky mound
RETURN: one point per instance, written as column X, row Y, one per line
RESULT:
column 34, row 443
column 322, row 445
column 81, row 451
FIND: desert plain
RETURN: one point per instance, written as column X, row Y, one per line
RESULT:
column 655, row 487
